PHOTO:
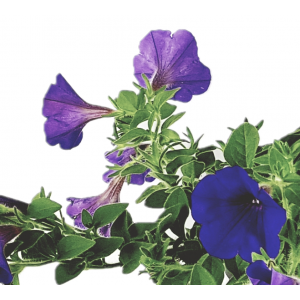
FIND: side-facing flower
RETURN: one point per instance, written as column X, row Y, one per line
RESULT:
column 91, row 204
column 237, row 216
column 7, row 233
column 122, row 160
column 260, row 274
column 67, row 114
column 172, row 61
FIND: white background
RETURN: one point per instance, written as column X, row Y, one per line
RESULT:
column 251, row 47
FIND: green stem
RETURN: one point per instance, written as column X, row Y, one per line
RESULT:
column 157, row 127
column 31, row 263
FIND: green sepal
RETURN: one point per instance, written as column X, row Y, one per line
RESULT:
column 135, row 169
column 86, row 218
column 163, row 97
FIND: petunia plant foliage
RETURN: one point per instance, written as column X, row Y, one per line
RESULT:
column 246, row 207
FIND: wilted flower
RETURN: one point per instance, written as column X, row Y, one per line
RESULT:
column 91, row 204
column 67, row 114
column 260, row 274
column 237, row 216
column 172, row 61
column 122, row 160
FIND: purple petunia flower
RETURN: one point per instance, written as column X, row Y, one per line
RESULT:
column 7, row 233
column 91, row 204
column 260, row 274
column 172, row 61
column 67, row 114
column 237, row 216
column 122, row 160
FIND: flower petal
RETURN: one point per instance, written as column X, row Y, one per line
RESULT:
column 67, row 114
column 7, row 233
column 172, row 61
column 123, row 159
column 259, row 274
column 222, row 203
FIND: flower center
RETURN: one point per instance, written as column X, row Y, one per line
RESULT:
column 255, row 201
column 161, row 78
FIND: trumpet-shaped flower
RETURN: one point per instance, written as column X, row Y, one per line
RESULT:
column 122, row 160
column 91, row 204
column 172, row 61
column 7, row 233
column 67, row 114
column 260, row 274
column 237, row 216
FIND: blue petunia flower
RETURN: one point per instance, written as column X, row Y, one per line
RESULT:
column 7, row 233
column 237, row 216
column 260, row 274
column 91, row 204
column 172, row 61
column 122, row 160
column 67, row 114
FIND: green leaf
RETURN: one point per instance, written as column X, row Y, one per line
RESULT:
column 71, row 246
column 139, row 117
column 128, row 101
column 148, row 85
column 141, row 99
column 236, row 266
column 278, row 163
column 121, row 225
column 150, row 191
column 87, row 219
column 167, row 136
column 137, row 230
column 135, row 169
column 264, row 169
column 190, row 252
column 178, row 276
column 292, row 193
column 193, row 169
column 262, row 160
column 207, row 157
column 171, row 120
column 167, row 110
column 130, row 255
column 42, row 208
column 108, row 213
column 175, row 164
column 105, row 247
column 151, row 120
column 170, row 179
column 68, row 271
column 175, row 153
column 163, row 97
column 46, row 246
column 259, row 125
column 28, row 239
column 241, row 147
column 211, row 272
column 156, row 199
column 222, row 144
column 132, row 134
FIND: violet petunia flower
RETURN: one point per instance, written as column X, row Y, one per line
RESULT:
column 7, row 233
column 91, row 204
column 172, row 61
column 67, row 114
column 122, row 160
column 260, row 274
column 237, row 216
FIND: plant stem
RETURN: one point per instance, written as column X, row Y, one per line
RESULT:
column 105, row 266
